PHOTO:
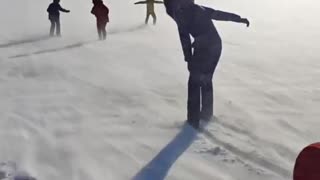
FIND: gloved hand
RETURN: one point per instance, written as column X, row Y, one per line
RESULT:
column 245, row 21
column 188, row 58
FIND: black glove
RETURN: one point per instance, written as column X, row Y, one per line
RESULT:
column 187, row 58
column 245, row 21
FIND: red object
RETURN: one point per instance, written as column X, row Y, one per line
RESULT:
column 101, row 11
column 308, row 164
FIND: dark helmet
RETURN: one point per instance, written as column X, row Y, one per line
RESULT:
column 172, row 6
column 56, row 1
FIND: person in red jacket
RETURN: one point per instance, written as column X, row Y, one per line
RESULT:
column 101, row 12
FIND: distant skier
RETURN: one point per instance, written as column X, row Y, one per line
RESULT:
column 150, row 9
column 54, row 17
column 202, row 55
column 102, row 14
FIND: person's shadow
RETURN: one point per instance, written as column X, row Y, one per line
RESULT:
column 159, row 166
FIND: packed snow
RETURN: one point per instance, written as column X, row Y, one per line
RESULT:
column 75, row 108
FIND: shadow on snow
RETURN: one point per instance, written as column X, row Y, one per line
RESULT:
column 159, row 166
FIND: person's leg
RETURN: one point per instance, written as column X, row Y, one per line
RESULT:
column 58, row 27
column 154, row 18
column 210, row 63
column 147, row 18
column 100, row 36
column 206, row 96
column 104, row 31
column 52, row 28
column 193, row 99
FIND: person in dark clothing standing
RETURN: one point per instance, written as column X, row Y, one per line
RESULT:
column 202, row 55
column 102, row 14
column 54, row 17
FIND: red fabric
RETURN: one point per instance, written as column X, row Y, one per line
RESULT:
column 308, row 164
column 101, row 12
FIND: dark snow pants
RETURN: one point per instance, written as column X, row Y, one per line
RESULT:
column 200, row 89
column 55, row 26
column 101, row 27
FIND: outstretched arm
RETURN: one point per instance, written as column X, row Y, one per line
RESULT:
column 186, row 44
column 159, row 2
column 141, row 2
column 63, row 10
column 225, row 16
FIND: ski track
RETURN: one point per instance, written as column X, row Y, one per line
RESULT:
column 63, row 48
column 52, row 50
column 246, row 156
column 24, row 41
column 281, row 149
column 230, row 153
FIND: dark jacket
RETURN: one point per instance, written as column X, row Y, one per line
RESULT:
column 101, row 11
column 54, row 10
column 196, row 21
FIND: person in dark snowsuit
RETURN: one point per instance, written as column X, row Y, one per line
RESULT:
column 102, row 14
column 54, row 17
column 202, row 55
column 150, row 9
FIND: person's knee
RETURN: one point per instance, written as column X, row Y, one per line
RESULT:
column 206, row 80
column 195, row 78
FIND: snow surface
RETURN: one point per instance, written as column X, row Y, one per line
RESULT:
column 74, row 108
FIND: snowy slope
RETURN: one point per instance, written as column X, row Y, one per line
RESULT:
column 74, row 108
